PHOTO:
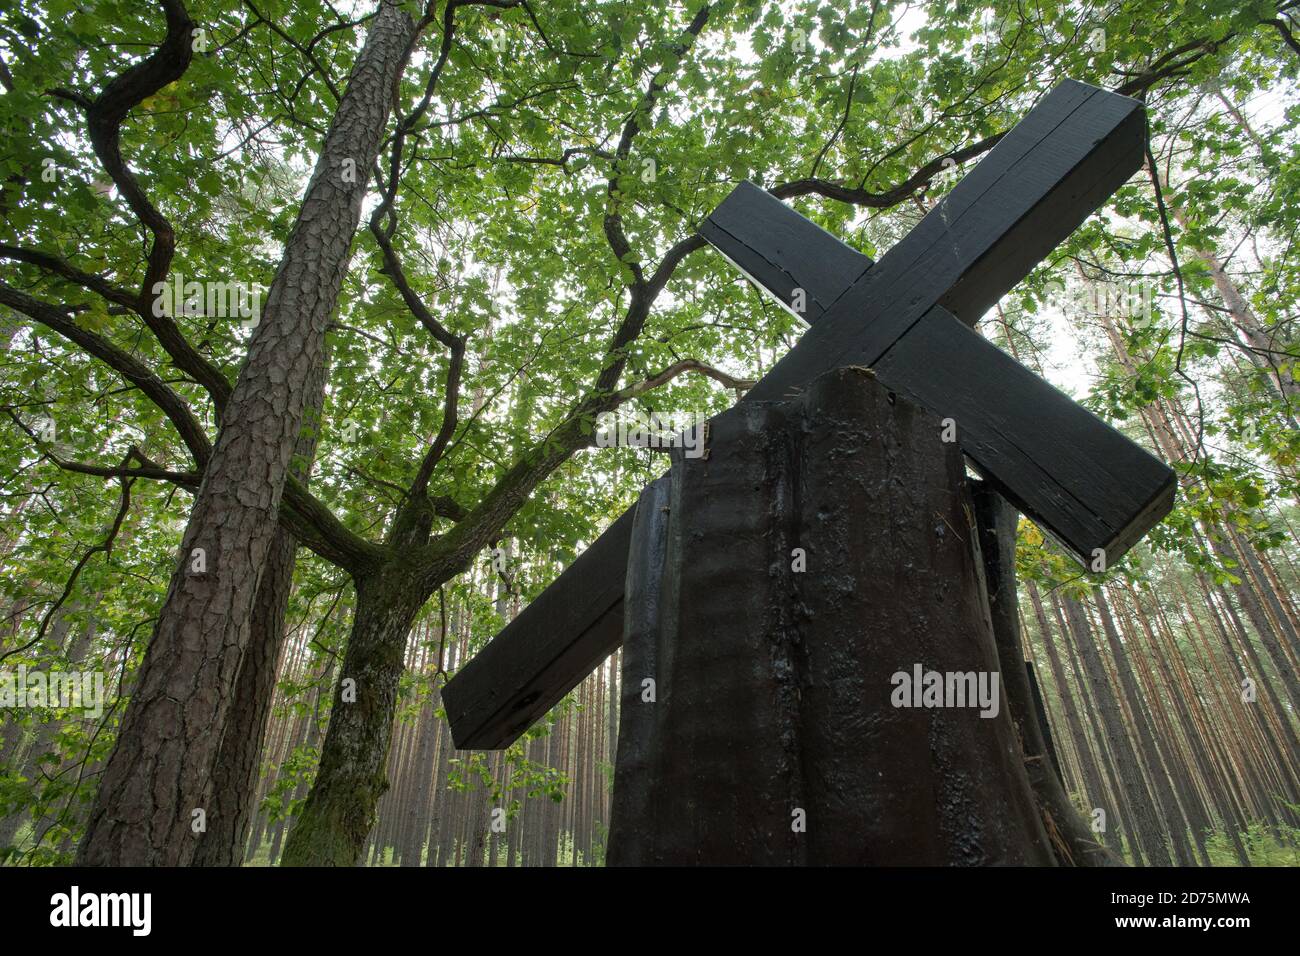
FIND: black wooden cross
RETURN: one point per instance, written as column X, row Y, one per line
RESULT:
column 907, row 317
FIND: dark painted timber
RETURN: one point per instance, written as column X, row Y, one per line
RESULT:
column 565, row 631
column 1085, row 484
column 1077, row 478
column 773, row 687
column 781, row 251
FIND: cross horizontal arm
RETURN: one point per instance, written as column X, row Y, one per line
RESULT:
column 799, row 263
column 544, row 652
column 1088, row 486
column 1080, row 480
column 1040, row 182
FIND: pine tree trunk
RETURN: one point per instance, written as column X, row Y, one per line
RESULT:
column 1200, row 744
column 1145, row 823
column 1155, row 761
column 1093, row 791
column 423, row 790
column 438, row 795
column 1170, row 740
column 1112, row 797
column 239, row 760
column 164, row 762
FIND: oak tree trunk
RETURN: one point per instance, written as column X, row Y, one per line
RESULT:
column 335, row 820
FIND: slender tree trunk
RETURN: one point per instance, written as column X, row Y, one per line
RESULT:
column 1171, row 809
column 1189, row 785
column 389, row 828
column 162, row 768
column 277, row 831
column 1284, row 626
column 1095, row 791
column 275, row 751
column 234, row 784
column 438, row 801
column 307, row 736
column 1263, row 627
column 1272, row 722
column 332, row 827
column 1183, row 705
column 1111, row 795
column 1229, row 744
column 1146, row 823
column 422, row 789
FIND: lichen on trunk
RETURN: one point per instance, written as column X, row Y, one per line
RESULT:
column 336, row 818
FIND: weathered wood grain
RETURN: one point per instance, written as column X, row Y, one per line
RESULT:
column 1079, row 479
column 781, row 251
column 774, row 687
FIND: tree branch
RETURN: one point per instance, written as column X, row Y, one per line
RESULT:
column 105, row 547
column 642, row 295
column 186, row 479
column 397, row 275
column 615, row 234
column 62, row 267
column 126, row 365
column 305, row 51
column 679, row 368
column 104, row 116
column 312, row 522
column 895, row 194
column 1168, row 65
column 1289, row 37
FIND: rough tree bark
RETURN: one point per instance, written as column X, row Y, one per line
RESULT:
column 234, row 783
column 161, row 769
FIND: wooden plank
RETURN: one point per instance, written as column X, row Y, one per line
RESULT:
column 704, row 638
column 642, row 603
column 1079, row 479
column 781, row 251
column 773, row 686
column 543, row 653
